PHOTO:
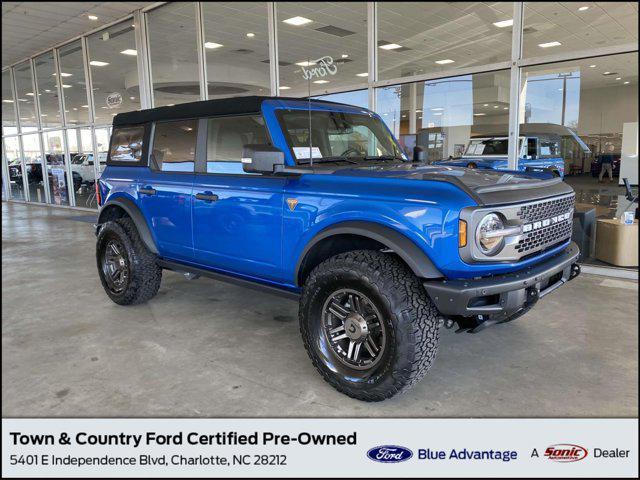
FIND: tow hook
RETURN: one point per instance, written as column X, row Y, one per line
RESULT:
column 575, row 271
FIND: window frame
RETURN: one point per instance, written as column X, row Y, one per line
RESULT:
column 144, row 156
column 201, row 161
column 153, row 166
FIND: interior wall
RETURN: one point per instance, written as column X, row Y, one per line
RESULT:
column 606, row 109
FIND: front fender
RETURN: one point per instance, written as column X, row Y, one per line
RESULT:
column 413, row 256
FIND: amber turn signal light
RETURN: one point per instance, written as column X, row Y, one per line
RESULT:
column 462, row 233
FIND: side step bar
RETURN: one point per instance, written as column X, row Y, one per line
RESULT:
column 187, row 269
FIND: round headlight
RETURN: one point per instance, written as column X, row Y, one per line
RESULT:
column 489, row 243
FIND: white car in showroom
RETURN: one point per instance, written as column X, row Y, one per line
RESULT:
column 82, row 163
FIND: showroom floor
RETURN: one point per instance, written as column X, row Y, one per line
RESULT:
column 204, row 348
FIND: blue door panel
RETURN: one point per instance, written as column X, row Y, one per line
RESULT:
column 168, row 211
column 240, row 232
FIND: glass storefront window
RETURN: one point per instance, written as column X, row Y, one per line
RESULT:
column 74, row 86
column 56, row 168
column 103, row 136
column 173, row 53
column 589, row 110
column 560, row 27
column 424, row 37
column 9, row 126
column 45, row 72
column 439, row 117
column 24, row 92
column 114, row 71
column 83, row 166
column 359, row 98
column 236, row 40
column 33, row 167
column 14, row 165
column 321, row 46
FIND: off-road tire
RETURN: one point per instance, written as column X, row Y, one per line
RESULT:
column 144, row 273
column 410, row 317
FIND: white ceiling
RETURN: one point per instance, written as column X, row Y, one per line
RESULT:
column 29, row 27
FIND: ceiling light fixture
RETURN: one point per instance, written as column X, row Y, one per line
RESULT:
column 305, row 63
column 445, row 61
column 549, row 44
column 390, row 46
column 618, row 78
column 495, row 106
column 626, row 83
column 129, row 51
column 505, row 108
column 479, row 114
column 92, row 17
column 284, row 87
column 7, row 101
column 297, row 21
column 62, row 74
column 363, row 74
column 504, row 23
column 251, row 35
column 321, row 81
column 212, row 45
column 486, row 105
column 582, row 9
column 66, row 86
column 98, row 63
column 607, row 73
column 344, row 55
column 592, row 66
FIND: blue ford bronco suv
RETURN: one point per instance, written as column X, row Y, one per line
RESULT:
column 316, row 200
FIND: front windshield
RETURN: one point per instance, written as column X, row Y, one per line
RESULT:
column 337, row 135
column 491, row 146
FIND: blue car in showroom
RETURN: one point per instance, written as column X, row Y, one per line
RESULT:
column 539, row 150
column 316, row 201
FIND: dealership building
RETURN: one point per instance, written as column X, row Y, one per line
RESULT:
column 540, row 79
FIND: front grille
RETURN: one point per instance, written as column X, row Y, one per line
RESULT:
column 534, row 212
column 539, row 239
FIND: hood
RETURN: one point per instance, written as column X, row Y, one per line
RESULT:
column 486, row 187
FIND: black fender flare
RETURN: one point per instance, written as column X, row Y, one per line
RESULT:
column 136, row 215
column 416, row 259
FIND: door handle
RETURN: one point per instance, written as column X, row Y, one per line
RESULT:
column 147, row 191
column 207, row 196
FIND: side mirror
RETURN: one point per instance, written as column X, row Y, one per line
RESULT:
column 259, row 158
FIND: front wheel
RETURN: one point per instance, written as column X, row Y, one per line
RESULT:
column 368, row 324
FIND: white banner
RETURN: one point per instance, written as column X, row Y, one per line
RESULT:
column 303, row 447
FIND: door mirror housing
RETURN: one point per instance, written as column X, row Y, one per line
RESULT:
column 262, row 158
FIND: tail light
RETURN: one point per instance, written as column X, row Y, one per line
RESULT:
column 98, row 198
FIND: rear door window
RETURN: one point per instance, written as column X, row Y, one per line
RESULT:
column 174, row 146
column 126, row 144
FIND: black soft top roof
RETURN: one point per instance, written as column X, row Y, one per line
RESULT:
column 203, row 108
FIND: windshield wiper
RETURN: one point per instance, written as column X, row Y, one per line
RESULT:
column 384, row 157
column 328, row 160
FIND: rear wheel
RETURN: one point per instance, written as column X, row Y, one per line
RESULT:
column 128, row 270
column 368, row 324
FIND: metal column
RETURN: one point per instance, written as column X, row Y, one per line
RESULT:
column 372, row 51
column 514, row 92
column 274, row 66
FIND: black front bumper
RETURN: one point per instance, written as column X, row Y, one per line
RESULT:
column 502, row 297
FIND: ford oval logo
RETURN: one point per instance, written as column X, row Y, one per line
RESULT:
column 389, row 454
